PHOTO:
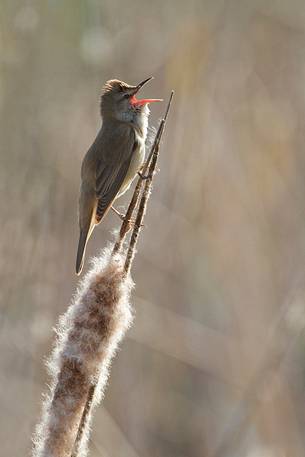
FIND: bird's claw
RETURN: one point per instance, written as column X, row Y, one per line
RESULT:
column 144, row 177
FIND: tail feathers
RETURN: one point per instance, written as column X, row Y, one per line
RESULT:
column 83, row 238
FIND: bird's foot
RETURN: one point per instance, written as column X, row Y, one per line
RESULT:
column 144, row 177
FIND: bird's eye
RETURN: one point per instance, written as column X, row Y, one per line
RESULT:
column 126, row 96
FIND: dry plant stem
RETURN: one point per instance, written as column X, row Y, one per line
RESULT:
column 83, row 420
column 147, row 189
column 150, row 165
column 88, row 336
column 135, row 198
column 142, row 206
column 126, row 222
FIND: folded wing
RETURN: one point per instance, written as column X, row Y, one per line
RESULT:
column 112, row 168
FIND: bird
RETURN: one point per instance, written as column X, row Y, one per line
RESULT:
column 114, row 158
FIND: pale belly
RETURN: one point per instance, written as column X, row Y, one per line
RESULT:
column 135, row 165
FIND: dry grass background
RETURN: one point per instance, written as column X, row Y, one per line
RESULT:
column 214, row 363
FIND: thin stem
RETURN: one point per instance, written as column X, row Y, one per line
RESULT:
column 83, row 420
column 153, row 157
column 125, row 227
column 150, row 165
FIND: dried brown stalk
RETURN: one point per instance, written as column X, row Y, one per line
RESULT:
column 149, row 166
column 88, row 336
column 147, row 189
column 89, row 333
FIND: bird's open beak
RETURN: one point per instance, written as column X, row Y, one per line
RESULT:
column 134, row 101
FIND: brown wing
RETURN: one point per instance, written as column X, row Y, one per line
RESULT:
column 113, row 167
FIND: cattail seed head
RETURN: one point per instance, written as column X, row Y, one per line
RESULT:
column 88, row 335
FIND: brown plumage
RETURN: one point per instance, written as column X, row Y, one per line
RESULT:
column 114, row 158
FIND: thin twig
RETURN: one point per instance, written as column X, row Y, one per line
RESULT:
column 147, row 188
column 135, row 197
column 125, row 227
column 88, row 335
column 150, row 165
column 83, row 420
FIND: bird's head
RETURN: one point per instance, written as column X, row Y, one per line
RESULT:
column 119, row 100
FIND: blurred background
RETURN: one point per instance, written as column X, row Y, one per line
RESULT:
column 214, row 364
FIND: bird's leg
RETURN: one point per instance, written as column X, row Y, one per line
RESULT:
column 122, row 217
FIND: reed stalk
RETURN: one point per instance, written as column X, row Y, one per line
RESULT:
column 89, row 333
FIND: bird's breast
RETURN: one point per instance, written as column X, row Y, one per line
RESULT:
column 137, row 159
column 136, row 162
